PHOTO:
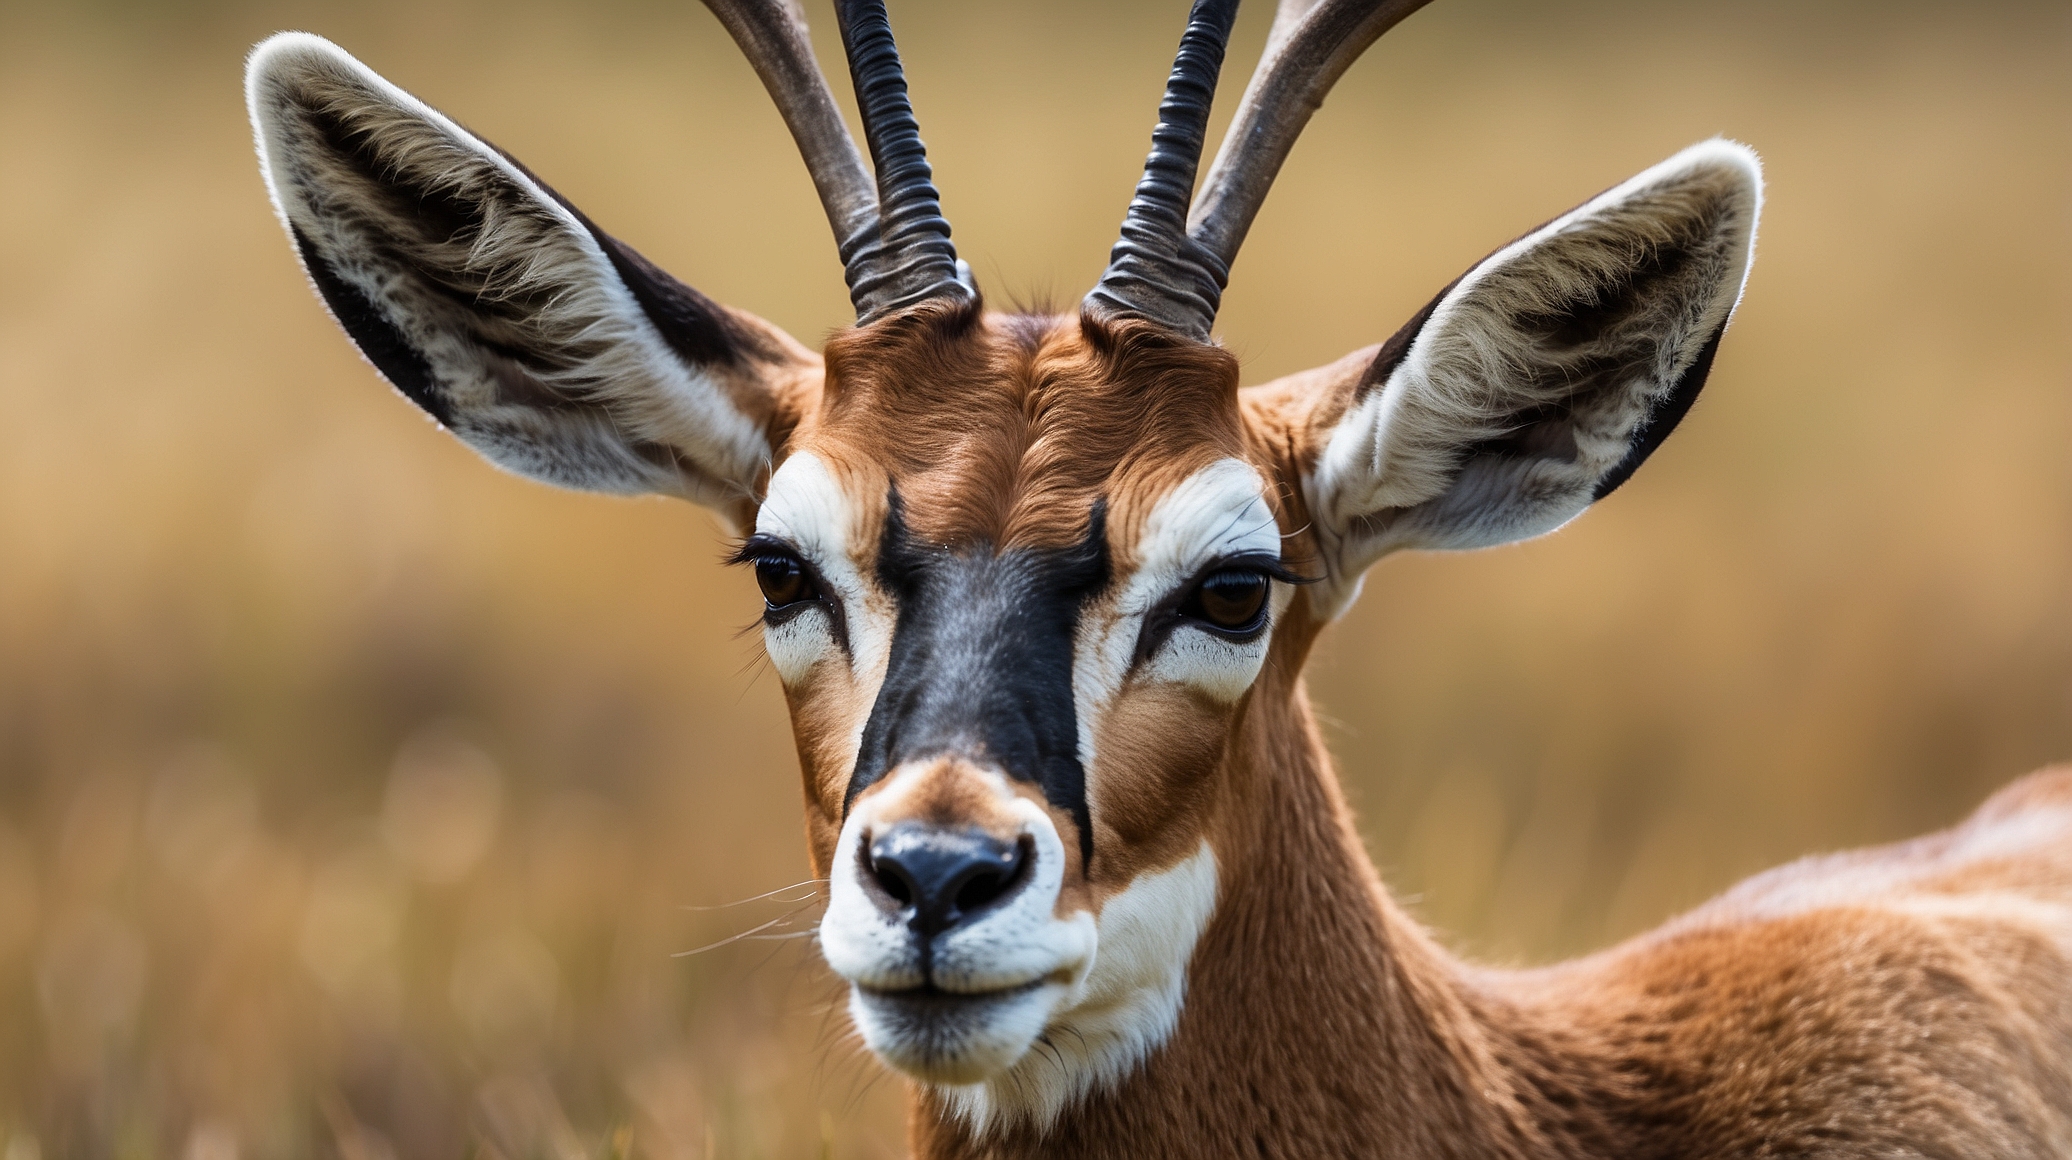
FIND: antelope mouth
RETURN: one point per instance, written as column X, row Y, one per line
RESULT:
column 930, row 996
column 954, row 1037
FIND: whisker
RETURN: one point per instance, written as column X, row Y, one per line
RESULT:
column 813, row 882
column 751, row 932
column 730, row 939
column 754, row 667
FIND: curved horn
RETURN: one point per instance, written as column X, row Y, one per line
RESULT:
column 772, row 35
column 907, row 259
column 1155, row 270
column 1310, row 47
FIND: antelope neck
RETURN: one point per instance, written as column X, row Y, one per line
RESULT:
column 1319, row 1020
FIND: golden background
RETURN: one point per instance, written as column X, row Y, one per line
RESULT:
column 354, row 797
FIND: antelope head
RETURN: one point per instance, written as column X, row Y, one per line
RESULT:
column 1039, row 589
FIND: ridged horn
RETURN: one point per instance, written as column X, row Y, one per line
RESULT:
column 907, row 258
column 1155, row 270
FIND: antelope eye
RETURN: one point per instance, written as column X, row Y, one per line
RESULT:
column 783, row 580
column 1233, row 599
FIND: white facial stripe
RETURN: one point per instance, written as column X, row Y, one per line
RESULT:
column 1127, row 1006
column 1220, row 667
column 1217, row 512
column 807, row 508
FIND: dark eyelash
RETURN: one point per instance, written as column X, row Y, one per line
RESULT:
column 1260, row 562
column 759, row 547
column 766, row 547
column 1160, row 622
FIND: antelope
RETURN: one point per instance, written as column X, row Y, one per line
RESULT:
column 1040, row 588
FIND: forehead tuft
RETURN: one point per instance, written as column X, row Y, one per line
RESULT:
column 1004, row 430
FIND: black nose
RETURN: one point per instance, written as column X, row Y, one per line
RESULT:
column 944, row 876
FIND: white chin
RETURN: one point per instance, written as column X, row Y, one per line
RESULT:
column 948, row 1039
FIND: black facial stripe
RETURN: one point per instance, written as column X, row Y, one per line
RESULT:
column 981, row 662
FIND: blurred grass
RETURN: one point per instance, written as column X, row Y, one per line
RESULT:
column 352, row 795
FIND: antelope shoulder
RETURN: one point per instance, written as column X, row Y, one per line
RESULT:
column 1909, row 999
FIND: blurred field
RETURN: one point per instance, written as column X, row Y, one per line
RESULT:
column 354, row 797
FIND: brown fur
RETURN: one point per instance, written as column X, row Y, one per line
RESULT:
column 1322, row 1021
column 1914, row 1000
column 1003, row 430
column 1905, row 1001
column 1154, row 801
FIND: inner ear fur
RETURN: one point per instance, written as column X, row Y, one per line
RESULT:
column 1541, row 378
column 548, row 346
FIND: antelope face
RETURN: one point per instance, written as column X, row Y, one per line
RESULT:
column 1016, row 604
column 1026, row 579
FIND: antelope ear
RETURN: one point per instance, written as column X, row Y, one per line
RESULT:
column 1536, row 383
column 545, row 344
